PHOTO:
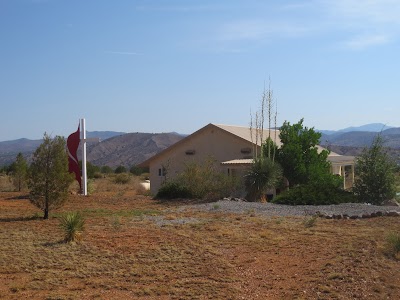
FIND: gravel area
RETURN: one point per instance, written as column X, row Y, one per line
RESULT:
column 269, row 209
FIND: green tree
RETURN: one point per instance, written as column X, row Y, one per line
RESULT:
column 120, row 169
column 20, row 172
column 299, row 155
column 106, row 170
column 135, row 170
column 375, row 169
column 49, row 178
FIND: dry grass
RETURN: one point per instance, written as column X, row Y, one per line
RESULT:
column 127, row 254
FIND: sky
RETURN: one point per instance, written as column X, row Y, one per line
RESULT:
column 177, row 65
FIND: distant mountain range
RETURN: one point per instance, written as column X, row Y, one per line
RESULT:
column 114, row 148
column 361, row 136
column 373, row 127
column 127, row 149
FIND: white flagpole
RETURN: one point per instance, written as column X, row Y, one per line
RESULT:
column 84, row 172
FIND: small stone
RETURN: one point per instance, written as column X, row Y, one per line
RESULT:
column 366, row 216
column 393, row 213
column 379, row 214
column 353, row 217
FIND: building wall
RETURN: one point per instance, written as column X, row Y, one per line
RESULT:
column 211, row 142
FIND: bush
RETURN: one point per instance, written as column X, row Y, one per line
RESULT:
column 393, row 244
column 120, row 169
column 122, row 178
column 206, row 181
column 317, row 192
column 199, row 181
column 135, row 170
column 98, row 175
column 106, row 170
column 73, row 226
column 173, row 190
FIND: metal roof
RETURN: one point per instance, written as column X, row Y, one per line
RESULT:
column 342, row 160
column 250, row 135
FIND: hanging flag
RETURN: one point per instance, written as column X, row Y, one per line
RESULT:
column 72, row 148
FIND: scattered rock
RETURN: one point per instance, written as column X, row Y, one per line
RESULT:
column 393, row 213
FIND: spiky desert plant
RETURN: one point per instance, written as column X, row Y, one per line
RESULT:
column 263, row 175
column 73, row 225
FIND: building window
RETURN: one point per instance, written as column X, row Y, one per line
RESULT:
column 162, row 172
column 245, row 150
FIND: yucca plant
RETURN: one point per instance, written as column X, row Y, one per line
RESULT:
column 73, row 225
column 264, row 174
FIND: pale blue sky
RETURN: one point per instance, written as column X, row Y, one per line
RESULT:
column 160, row 66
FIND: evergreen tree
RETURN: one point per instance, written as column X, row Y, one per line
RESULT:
column 375, row 180
column 20, row 172
column 49, row 178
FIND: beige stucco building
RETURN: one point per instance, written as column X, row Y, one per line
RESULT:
column 233, row 147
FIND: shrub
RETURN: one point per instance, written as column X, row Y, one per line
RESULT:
column 206, row 181
column 173, row 190
column 393, row 244
column 73, row 225
column 106, row 170
column 200, row 181
column 120, row 169
column 135, row 170
column 98, row 175
column 317, row 192
column 122, row 178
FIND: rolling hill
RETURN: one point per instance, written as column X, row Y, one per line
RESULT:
column 119, row 148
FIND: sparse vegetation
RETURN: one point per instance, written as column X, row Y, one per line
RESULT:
column 310, row 221
column 137, row 247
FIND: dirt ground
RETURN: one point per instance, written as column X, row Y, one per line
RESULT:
column 134, row 247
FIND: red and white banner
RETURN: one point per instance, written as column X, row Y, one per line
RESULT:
column 72, row 148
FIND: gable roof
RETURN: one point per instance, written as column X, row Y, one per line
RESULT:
column 250, row 135
column 241, row 132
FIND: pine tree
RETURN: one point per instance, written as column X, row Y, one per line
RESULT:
column 20, row 173
column 49, row 177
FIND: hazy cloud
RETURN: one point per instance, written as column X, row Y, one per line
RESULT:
column 365, row 41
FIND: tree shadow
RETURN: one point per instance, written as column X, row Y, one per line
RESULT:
column 20, row 197
column 21, row 219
